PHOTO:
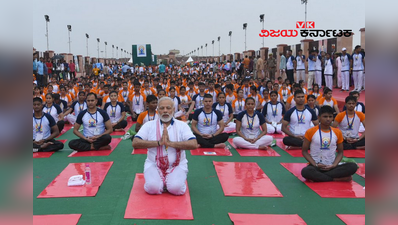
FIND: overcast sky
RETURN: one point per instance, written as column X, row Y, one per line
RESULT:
column 183, row 24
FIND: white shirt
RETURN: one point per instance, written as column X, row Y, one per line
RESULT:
column 207, row 122
column 300, row 121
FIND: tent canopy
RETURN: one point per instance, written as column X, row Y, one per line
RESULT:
column 190, row 59
column 131, row 60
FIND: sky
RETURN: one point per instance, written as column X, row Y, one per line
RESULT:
column 183, row 24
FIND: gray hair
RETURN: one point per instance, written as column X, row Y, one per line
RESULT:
column 165, row 98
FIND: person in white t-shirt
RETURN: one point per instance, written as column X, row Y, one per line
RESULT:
column 273, row 112
column 116, row 112
column 166, row 138
column 323, row 141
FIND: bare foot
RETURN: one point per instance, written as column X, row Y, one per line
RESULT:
column 45, row 145
column 119, row 129
column 262, row 147
column 107, row 147
column 198, row 145
column 343, row 179
column 221, row 145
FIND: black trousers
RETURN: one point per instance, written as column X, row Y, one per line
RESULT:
column 39, row 79
column 60, row 125
column 313, row 173
column 56, row 146
column 134, row 119
column 290, row 76
column 209, row 143
column 81, row 145
column 121, row 125
column 292, row 141
column 359, row 143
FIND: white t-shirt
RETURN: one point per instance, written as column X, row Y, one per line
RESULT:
column 207, row 122
column 251, row 125
column 53, row 111
column 114, row 112
column 93, row 124
column 42, row 126
column 273, row 113
column 300, row 121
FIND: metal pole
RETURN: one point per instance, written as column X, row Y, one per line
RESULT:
column 245, row 39
column 98, row 50
column 306, row 16
column 263, row 29
column 230, row 44
column 87, row 45
column 105, row 50
column 69, row 40
column 213, row 49
column 48, row 46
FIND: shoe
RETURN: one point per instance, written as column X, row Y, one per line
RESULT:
column 342, row 90
column 35, row 150
column 273, row 143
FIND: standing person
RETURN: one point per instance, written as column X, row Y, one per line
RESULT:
column 328, row 72
column 35, row 65
column 282, row 66
column 300, row 66
column 318, row 68
column 44, row 130
column 260, row 67
column 271, row 67
column 49, row 68
column 162, row 68
column 40, row 73
column 251, row 65
column 248, row 124
column 273, row 112
column 358, row 67
column 311, row 69
column 96, row 128
column 246, row 63
column 323, row 141
column 72, row 70
column 116, row 112
column 204, row 125
column 346, row 62
column 297, row 121
column 338, row 69
column 65, row 71
column 255, row 66
column 290, row 66
column 166, row 166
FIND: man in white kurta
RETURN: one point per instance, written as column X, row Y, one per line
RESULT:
column 166, row 166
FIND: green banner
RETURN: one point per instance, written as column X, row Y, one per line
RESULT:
column 143, row 54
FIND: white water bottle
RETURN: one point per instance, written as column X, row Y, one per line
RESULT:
column 87, row 173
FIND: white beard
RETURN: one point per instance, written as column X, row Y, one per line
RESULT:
column 165, row 120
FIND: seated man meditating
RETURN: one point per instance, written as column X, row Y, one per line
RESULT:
column 323, row 140
column 44, row 130
column 298, row 119
column 96, row 128
column 248, row 125
column 349, row 123
column 166, row 166
column 204, row 125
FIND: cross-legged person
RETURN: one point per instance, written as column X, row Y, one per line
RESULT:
column 297, row 121
column 227, row 111
column 248, row 124
column 76, row 108
column 323, row 140
column 273, row 112
column 116, row 112
column 204, row 125
column 349, row 123
column 96, row 128
column 44, row 130
column 55, row 111
column 166, row 138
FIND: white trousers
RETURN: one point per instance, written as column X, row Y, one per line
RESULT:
column 318, row 78
column 175, row 181
column 329, row 81
column 310, row 79
column 71, row 119
column 265, row 140
column 231, row 127
column 178, row 114
column 300, row 75
column 271, row 129
column 345, row 80
column 358, row 79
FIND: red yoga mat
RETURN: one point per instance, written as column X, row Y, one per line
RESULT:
column 245, row 179
column 361, row 170
column 294, row 151
column 352, row 219
column 45, row 154
column 254, row 152
column 139, row 151
column 159, row 207
column 66, row 219
column 276, row 136
column 129, row 125
column 113, row 144
column 212, row 151
column 261, row 219
column 58, row 188
column 354, row 153
column 334, row 189
column 67, row 127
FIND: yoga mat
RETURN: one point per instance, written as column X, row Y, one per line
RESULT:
column 294, row 151
column 212, row 151
column 66, row 219
column 277, row 136
column 129, row 125
column 245, row 179
column 354, row 153
column 58, row 188
column 352, row 219
column 162, row 207
column 67, row 127
column 333, row 189
column 361, row 170
column 254, row 152
column 139, row 151
column 113, row 144
column 261, row 219
column 45, row 154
